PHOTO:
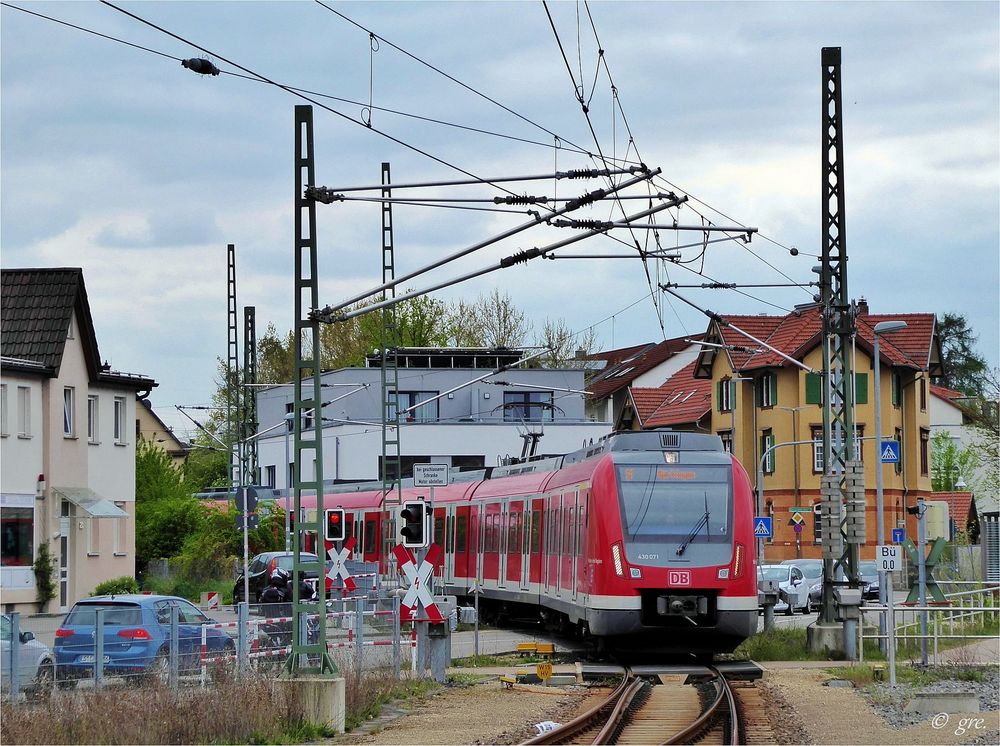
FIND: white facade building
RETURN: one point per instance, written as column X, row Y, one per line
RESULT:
column 67, row 448
column 478, row 424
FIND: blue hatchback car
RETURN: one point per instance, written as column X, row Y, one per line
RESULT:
column 136, row 637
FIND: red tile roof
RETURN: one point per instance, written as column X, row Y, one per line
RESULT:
column 620, row 374
column 959, row 505
column 947, row 394
column 800, row 332
column 683, row 399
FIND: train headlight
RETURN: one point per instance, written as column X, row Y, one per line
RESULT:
column 616, row 555
column 738, row 561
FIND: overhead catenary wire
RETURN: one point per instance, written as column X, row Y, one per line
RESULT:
column 332, row 314
column 285, row 88
column 329, row 311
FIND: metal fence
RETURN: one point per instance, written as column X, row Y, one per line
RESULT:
column 963, row 616
column 104, row 643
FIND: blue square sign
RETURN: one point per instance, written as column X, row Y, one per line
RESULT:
column 762, row 527
column 898, row 535
column 888, row 451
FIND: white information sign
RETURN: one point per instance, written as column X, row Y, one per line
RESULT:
column 887, row 557
column 430, row 475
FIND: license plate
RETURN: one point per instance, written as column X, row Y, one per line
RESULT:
column 90, row 659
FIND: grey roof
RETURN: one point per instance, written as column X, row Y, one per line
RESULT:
column 36, row 306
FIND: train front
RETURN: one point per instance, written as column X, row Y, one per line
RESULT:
column 679, row 576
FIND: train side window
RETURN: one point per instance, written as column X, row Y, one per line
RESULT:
column 487, row 534
column 511, row 531
column 370, row 537
column 449, row 534
column 536, row 530
column 348, row 524
column 569, row 543
column 461, row 526
column 579, row 530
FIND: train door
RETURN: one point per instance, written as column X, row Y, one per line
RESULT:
column 503, row 518
column 516, row 521
column 534, row 555
column 580, row 585
column 566, row 564
column 527, row 528
column 439, row 537
column 550, row 545
column 465, row 566
column 370, row 545
column 449, row 545
column 477, row 525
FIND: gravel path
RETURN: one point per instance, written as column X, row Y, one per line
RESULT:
column 484, row 713
column 843, row 716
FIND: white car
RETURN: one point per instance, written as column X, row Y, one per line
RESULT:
column 793, row 590
column 35, row 662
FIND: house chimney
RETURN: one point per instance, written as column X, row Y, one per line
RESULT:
column 862, row 307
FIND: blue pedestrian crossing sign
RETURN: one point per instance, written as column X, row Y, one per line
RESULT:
column 888, row 451
column 898, row 535
column 762, row 527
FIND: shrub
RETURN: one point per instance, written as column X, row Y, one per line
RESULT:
column 117, row 586
column 44, row 568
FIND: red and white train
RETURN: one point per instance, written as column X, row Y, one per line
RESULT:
column 643, row 540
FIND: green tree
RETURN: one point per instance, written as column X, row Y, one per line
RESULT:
column 963, row 368
column 949, row 462
column 275, row 356
column 165, row 511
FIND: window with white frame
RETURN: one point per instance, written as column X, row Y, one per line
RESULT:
column 817, row 439
column 121, row 531
column 414, row 406
column 766, row 443
column 270, row 476
column 121, row 432
column 726, row 394
column 727, row 440
column 93, row 428
column 24, row 411
column 767, row 390
column 69, row 411
column 3, row 410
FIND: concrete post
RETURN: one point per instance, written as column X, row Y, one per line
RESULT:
column 174, row 645
column 359, row 636
column 922, row 575
column 15, row 663
column 397, row 641
column 99, row 649
column 242, row 635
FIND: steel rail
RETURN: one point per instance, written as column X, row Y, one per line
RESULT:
column 723, row 693
column 611, row 729
column 585, row 720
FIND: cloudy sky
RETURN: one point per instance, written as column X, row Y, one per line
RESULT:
column 118, row 160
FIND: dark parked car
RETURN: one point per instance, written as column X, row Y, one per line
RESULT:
column 266, row 563
column 869, row 583
column 136, row 637
column 34, row 662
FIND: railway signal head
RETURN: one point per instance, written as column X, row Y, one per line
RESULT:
column 334, row 524
column 413, row 516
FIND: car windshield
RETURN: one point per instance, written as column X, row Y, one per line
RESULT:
column 812, row 570
column 285, row 561
column 774, row 572
column 667, row 500
column 114, row 614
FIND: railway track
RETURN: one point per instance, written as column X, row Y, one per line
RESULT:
column 667, row 711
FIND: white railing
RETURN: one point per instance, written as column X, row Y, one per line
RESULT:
column 962, row 614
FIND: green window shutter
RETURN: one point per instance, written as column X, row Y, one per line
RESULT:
column 758, row 392
column 732, row 393
column 774, row 389
column 894, row 379
column 861, row 387
column 718, row 396
column 814, row 388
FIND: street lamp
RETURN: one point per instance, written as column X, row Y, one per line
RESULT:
column 883, row 327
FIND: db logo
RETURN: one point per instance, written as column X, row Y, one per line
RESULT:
column 679, row 577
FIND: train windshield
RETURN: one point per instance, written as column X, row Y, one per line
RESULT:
column 686, row 504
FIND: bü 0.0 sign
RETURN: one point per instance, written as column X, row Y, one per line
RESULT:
column 887, row 557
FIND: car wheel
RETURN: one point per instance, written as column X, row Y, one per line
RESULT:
column 42, row 686
column 790, row 609
column 159, row 670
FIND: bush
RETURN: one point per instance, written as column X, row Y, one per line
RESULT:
column 44, row 569
column 117, row 586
